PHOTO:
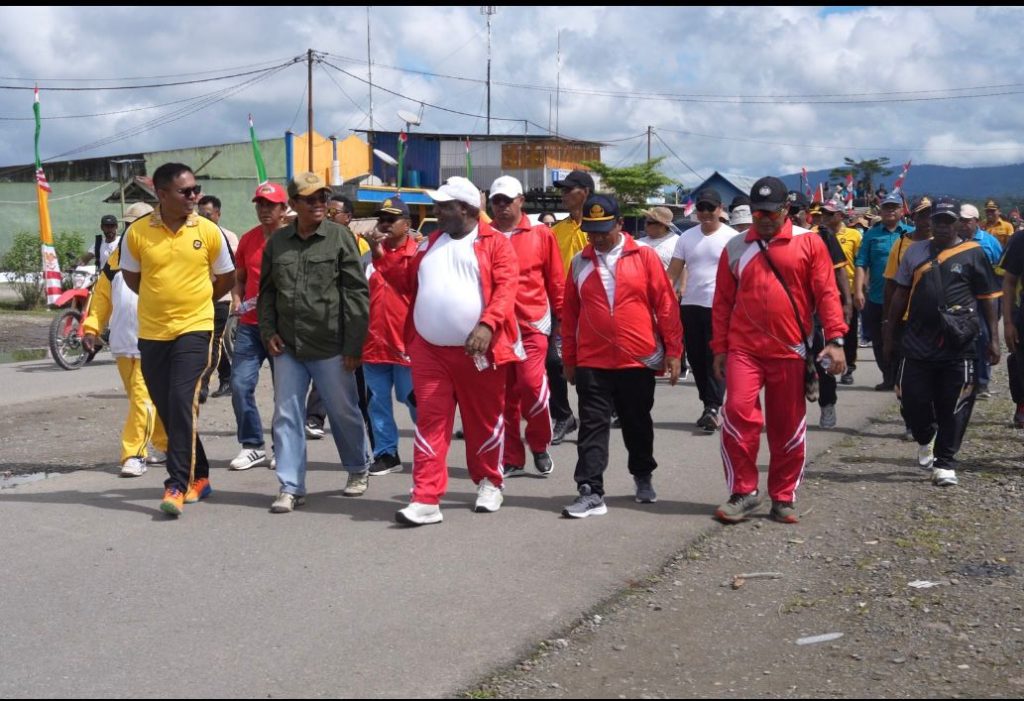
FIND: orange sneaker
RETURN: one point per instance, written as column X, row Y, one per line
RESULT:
column 200, row 489
column 174, row 501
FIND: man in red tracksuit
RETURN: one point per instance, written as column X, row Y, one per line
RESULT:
column 460, row 333
column 759, row 342
column 538, row 308
column 620, row 328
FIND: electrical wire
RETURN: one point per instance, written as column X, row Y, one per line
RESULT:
column 677, row 155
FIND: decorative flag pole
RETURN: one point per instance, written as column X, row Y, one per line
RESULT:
column 469, row 162
column 898, row 185
column 51, row 265
column 261, row 168
column 806, row 182
column 402, row 138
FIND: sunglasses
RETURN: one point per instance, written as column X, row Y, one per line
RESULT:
column 310, row 200
column 387, row 219
column 765, row 214
column 335, row 212
column 189, row 191
column 500, row 201
column 706, row 207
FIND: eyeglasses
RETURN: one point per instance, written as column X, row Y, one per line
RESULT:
column 501, row 201
column 189, row 191
column 706, row 207
column 310, row 200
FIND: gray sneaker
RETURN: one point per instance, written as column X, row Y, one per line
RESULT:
column 645, row 493
column 357, row 484
column 737, row 508
column 586, row 504
column 286, row 503
column 828, row 416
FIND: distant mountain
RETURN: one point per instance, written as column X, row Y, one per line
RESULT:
column 1000, row 182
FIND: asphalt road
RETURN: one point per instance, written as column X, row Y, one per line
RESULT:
column 102, row 595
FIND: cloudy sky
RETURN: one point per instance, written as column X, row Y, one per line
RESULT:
column 741, row 90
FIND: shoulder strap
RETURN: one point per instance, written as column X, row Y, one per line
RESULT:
column 785, row 288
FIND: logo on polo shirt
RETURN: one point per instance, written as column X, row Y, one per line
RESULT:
column 197, row 244
column 956, row 269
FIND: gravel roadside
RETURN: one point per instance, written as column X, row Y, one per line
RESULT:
column 924, row 584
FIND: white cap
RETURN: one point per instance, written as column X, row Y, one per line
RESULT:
column 507, row 186
column 457, row 188
column 969, row 211
column 740, row 215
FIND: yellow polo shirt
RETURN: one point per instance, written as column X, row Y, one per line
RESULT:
column 849, row 241
column 571, row 240
column 1002, row 231
column 176, row 288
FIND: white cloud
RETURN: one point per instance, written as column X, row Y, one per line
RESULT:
column 723, row 51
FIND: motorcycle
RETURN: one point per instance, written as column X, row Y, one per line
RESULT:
column 66, row 328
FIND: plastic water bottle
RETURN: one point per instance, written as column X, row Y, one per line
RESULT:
column 825, row 363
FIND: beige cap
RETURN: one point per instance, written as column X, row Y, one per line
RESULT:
column 306, row 184
column 662, row 215
column 139, row 209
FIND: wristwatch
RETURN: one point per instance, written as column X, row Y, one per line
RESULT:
column 838, row 341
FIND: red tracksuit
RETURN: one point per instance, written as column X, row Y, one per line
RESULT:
column 443, row 376
column 538, row 306
column 754, row 323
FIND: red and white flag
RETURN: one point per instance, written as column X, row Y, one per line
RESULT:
column 898, row 185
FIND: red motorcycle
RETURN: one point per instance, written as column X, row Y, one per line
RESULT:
column 66, row 328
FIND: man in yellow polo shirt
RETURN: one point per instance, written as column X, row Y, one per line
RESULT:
column 996, row 225
column 178, row 263
column 576, row 188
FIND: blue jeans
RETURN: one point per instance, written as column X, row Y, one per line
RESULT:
column 341, row 398
column 380, row 378
column 248, row 359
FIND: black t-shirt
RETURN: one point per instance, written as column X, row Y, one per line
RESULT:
column 1013, row 262
column 966, row 276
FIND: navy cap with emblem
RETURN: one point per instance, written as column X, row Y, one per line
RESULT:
column 768, row 195
column 394, row 205
column 946, row 207
column 600, row 214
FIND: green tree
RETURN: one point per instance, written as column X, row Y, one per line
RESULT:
column 24, row 261
column 632, row 184
column 864, row 172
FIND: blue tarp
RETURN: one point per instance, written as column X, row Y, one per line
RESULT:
column 366, row 195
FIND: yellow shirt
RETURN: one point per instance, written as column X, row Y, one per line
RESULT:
column 1002, row 231
column 849, row 241
column 176, row 287
column 571, row 240
column 896, row 254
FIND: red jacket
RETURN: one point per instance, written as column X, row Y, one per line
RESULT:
column 498, row 283
column 752, row 311
column 541, row 276
column 644, row 325
column 385, row 338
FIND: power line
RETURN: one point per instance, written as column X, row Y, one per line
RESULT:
column 268, row 62
column 677, row 156
column 116, row 112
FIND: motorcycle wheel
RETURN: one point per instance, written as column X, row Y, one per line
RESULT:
column 227, row 340
column 66, row 340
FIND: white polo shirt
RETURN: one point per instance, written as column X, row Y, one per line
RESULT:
column 449, row 301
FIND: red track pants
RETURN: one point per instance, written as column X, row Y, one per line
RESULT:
column 527, row 395
column 443, row 376
column 742, row 419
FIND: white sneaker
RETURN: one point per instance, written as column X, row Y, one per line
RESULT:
column 942, row 477
column 926, row 455
column 418, row 514
column 133, row 467
column 286, row 503
column 156, row 457
column 488, row 498
column 357, row 484
column 249, row 457
column 273, row 463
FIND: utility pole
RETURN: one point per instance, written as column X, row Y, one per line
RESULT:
column 558, row 79
column 369, row 68
column 488, row 10
column 649, row 128
column 309, row 89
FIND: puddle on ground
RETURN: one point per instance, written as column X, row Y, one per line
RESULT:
column 8, row 481
column 20, row 356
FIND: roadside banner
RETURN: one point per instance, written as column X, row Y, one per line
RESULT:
column 51, row 265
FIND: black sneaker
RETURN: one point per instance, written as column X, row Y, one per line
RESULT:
column 543, row 462
column 385, row 464
column 586, row 504
column 314, row 429
column 847, row 377
column 710, row 420
column 645, row 493
column 616, row 421
column 562, row 427
column 884, row 387
column 224, row 390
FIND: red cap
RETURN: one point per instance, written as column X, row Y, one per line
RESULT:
column 272, row 192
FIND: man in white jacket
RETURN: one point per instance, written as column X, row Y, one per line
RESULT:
column 113, row 302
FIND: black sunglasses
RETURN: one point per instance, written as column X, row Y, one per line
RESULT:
column 318, row 198
column 189, row 191
column 706, row 207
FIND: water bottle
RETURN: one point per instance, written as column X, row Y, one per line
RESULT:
column 825, row 363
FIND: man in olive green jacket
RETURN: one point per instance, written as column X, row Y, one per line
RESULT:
column 314, row 307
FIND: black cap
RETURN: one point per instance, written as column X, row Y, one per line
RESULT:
column 710, row 196
column 768, row 194
column 600, row 214
column 108, row 220
column 577, row 178
column 394, row 205
column 798, row 199
column 738, row 201
column 946, row 207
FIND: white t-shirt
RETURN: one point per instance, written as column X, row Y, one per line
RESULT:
column 664, row 247
column 449, row 301
column 701, row 254
column 606, row 269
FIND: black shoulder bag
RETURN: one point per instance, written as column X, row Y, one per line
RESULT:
column 959, row 324
column 810, row 370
